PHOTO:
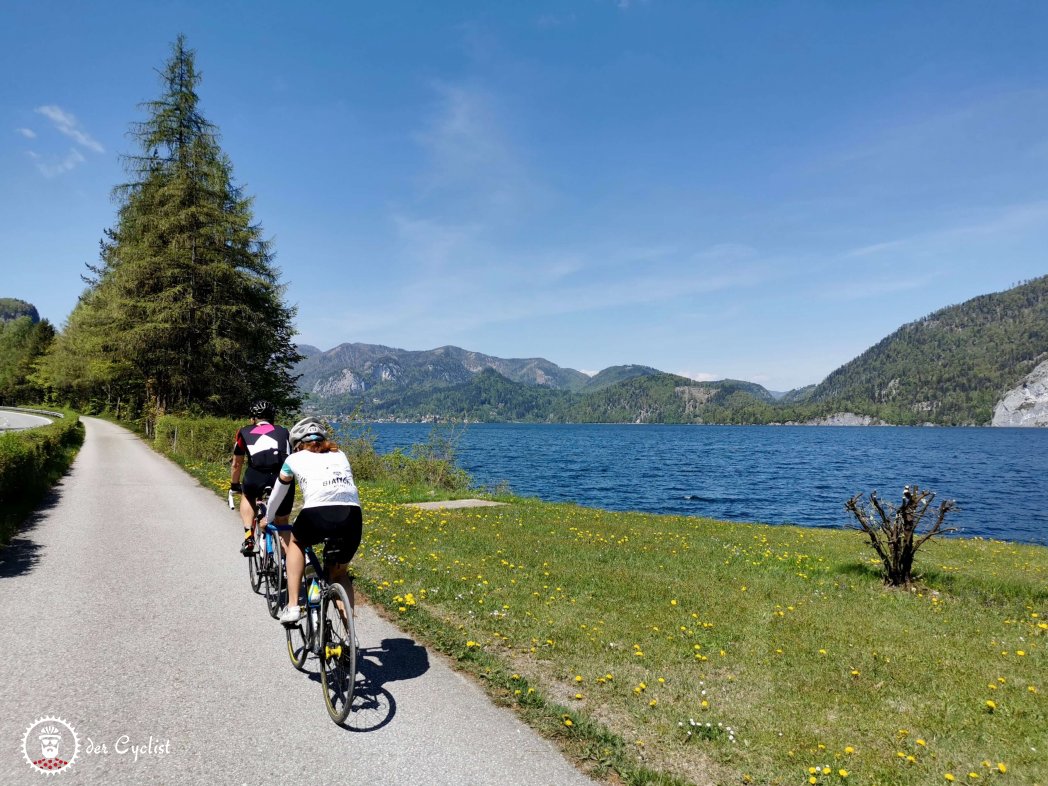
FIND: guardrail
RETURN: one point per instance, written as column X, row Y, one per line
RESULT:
column 34, row 411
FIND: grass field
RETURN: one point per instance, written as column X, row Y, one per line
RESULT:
column 668, row 650
column 727, row 653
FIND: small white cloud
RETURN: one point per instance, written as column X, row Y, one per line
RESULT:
column 589, row 373
column 66, row 123
column 699, row 376
column 57, row 166
column 28, row 133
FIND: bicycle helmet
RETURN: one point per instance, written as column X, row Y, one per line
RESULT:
column 262, row 410
column 307, row 430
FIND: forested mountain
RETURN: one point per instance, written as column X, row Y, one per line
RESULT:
column 351, row 370
column 952, row 366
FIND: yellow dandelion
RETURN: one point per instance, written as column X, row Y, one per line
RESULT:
column 921, row 742
column 849, row 750
column 842, row 772
column 991, row 705
column 1001, row 768
column 949, row 777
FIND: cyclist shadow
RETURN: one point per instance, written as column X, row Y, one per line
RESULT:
column 393, row 660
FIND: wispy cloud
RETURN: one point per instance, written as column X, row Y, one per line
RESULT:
column 28, row 133
column 998, row 222
column 54, row 166
column 472, row 161
column 66, row 123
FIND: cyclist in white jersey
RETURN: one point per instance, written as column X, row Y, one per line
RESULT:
column 330, row 507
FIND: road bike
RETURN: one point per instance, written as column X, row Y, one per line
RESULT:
column 326, row 630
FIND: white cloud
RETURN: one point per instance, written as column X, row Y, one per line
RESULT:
column 28, row 133
column 54, row 166
column 699, row 376
column 66, row 123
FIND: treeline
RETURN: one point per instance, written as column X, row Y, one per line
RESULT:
column 23, row 343
column 184, row 310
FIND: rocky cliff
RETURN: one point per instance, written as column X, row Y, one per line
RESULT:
column 1026, row 405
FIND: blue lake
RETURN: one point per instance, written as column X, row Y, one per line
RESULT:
column 772, row 474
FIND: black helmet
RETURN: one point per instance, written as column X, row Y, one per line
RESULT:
column 307, row 430
column 263, row 410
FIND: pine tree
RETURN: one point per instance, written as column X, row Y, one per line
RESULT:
column 185, row 307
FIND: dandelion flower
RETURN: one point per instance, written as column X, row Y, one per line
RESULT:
column 1001, row 768
column 949, row 777
column 921, row 742
column 991, row 705
column 842, row 772
column 849, row 750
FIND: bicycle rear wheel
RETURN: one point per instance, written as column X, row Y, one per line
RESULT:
column 338, row 652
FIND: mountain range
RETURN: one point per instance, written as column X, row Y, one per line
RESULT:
column 950, row 367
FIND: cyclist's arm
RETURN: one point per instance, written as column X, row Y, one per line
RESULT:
column 276, row 496
column 238, row 466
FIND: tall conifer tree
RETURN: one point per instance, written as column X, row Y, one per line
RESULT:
column 185, row 307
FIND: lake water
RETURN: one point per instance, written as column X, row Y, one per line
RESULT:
column 772, row 474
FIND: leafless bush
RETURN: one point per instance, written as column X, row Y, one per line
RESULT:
column 894, row 532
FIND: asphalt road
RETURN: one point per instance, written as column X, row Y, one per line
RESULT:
column 12, row 421
column 125, row 611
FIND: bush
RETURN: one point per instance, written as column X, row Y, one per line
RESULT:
column 30, row 462
column 196, row 438
column 210, row 439
column 894, row 532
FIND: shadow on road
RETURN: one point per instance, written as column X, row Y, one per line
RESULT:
column 391, row 661
column 22, row 553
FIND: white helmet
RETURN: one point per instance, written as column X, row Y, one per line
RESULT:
column 307, row 430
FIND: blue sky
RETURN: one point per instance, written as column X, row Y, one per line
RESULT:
column 749, row 190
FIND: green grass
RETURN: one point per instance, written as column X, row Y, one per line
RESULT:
column 618, row 623
column 786, row 633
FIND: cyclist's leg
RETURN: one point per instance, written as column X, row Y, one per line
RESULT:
column 295, row 565
column 351, row 530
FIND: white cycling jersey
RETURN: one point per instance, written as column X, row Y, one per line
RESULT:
column 323, row 478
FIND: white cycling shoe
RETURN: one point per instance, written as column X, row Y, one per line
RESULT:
column 290, row 615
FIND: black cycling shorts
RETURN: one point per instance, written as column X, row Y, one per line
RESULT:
column 341, row 524
column 255, row 483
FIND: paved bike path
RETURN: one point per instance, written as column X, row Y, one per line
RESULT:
column 125, row 611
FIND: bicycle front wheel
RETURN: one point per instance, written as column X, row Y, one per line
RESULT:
column 300, row 635
column 338, row 652
column 254, row 569
column 275, row 578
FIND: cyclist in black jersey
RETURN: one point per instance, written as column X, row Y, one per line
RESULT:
column 263, row 446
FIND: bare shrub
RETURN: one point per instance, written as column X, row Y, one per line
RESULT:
column 895, row 533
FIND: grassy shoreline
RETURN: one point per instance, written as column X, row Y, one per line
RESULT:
column 608, row 631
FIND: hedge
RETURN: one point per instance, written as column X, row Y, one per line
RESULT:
column 31, row 461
